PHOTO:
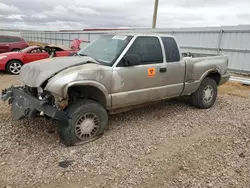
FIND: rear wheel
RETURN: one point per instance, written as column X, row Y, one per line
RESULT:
column 206, row 95
column 14, row 67
column 87, row 121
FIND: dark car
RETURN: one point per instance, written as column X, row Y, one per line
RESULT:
column 12, row 43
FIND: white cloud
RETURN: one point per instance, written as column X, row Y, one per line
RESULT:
column 65, row 14
column 204, row 16
column 82, row 10
column 4, row 8
column 39, row 15
column 15, row 16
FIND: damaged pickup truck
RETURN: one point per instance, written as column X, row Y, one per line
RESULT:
column 112, row 74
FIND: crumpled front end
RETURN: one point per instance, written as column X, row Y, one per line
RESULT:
column 25, row 103
column 44, row 83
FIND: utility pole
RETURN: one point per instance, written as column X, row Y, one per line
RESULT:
column 155, row 14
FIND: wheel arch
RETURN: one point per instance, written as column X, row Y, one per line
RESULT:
column 90, row 90
column 212, row 73
column 191, row 87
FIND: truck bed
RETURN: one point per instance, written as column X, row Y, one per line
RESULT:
column 198, row 65
column 189, row 54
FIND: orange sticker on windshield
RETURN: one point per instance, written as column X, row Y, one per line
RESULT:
column 151, row 72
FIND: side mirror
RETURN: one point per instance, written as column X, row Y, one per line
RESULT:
column 131, row 60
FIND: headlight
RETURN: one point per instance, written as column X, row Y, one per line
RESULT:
column 40, row 90
column 2, row 57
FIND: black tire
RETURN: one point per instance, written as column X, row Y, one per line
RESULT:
column 199, row 98
column 69, row 130
column 15, row 50
column 14, row 63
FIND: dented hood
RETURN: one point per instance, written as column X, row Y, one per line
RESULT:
column 37, row 72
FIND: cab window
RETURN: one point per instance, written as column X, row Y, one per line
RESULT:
column 148, row 49
column 6, row 39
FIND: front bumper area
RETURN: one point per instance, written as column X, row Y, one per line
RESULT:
column 24, row 104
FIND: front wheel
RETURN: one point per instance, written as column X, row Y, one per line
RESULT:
column 87, row 122
column 206, row 94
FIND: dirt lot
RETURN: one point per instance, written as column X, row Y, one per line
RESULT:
column 170, row 144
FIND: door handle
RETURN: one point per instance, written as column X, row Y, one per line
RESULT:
column 163, row 70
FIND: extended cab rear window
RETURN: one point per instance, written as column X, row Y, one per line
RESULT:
column 171, row 49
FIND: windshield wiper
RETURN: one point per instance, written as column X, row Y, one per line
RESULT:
column 87, row 55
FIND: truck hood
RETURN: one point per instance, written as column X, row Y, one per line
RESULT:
column 36, row 73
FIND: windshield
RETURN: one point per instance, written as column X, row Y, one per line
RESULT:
column 106, row 48
column 27, row 49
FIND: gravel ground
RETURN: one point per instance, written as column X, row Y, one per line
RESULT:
column 170, row 144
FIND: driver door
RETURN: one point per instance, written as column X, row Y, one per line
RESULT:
column 35, row 54
column 133, row 85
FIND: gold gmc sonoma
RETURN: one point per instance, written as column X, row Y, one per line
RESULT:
column 111, row 74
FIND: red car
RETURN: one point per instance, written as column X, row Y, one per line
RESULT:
column 13, row 61
column 78, row 44
column 11, row 43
